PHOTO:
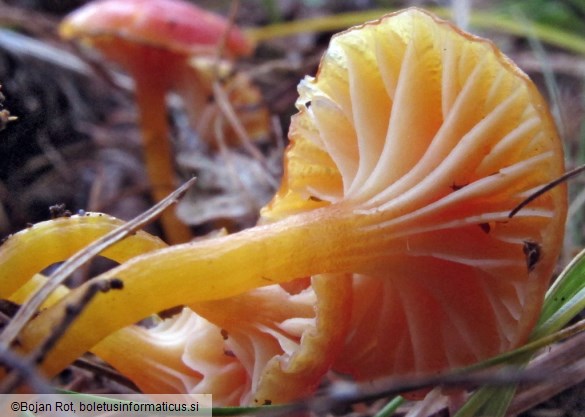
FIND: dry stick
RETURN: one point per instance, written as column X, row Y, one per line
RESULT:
column 235, row 5
column 26, row 372
column 82, row 257
column 227, row 110
column 561, row 367
column 546, row 188
column 7, row 310
column 550, row 387
column 105, row 371
column 72, row 311
column 227, row 156
column 570, row 355
column 55, row 157
column 345, row 393
column 225, row 106
column 531, row 347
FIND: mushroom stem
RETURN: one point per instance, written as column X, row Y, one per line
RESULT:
column 158, row 155
column 200, row 271
column 73, row 234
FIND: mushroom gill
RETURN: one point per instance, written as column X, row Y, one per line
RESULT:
column 262, row 347
column 431, row 136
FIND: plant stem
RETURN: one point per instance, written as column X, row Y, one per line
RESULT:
column 481, row 20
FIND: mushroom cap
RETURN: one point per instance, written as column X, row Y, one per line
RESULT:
column 169, row 24
column 430, row 136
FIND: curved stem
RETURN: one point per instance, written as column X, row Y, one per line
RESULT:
column 200, row 271
column 158, row 155
column 73, row 233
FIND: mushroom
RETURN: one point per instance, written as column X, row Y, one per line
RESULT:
column 154, row 41
column 411, row 146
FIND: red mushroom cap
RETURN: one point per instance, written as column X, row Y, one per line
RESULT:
column 173, row 24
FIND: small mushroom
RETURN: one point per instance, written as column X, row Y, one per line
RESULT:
column 154, row 41
column 400, row 110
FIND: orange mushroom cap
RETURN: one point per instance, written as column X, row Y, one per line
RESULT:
column 436, row 135
column 169, row 24
column 266, row 346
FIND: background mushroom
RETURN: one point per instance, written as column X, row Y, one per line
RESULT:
column 412, row 145
column 155, row 42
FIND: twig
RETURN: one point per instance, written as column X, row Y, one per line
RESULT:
column 26, row 372
column 225, row 106
column 7, row 310
column 352, row 393
column 347, row 393
column 569, row 355
column 235, row 5
column 82, row 257
column 105, row 371
column 39, row 24
column 72, row 311
column 227, row 156
column 532, row 347
column 546, row 188
column 228, row 112
column 55, row 157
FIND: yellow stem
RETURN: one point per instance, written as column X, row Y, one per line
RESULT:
column 38, row 247
column 299, row 246
column 76, row 232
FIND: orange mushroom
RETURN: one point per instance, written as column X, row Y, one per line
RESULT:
column 450, row 135
column 412, row 145
column 153, row 41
